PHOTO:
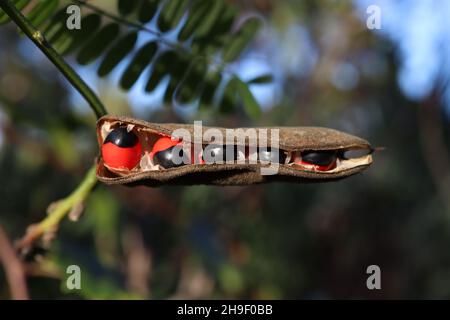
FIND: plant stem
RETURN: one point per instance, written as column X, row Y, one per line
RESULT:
column 38, row 38
column 61, row 209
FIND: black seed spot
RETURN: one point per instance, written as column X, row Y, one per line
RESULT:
column 171, row 158
column 122, row 138
column 217, row 153
column 319, row 158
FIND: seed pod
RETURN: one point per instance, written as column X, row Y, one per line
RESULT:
column 305, row 154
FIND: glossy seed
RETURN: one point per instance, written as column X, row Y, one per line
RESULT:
column 171, row 158
column 121, row 137
column 319, row 158
column 218, row 154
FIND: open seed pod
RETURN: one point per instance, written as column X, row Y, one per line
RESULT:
column 135, row 152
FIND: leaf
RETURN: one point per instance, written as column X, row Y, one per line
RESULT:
column 241, row 39
column 98, row 44
column 117, row 53
column 210, row 18
column 147, row 10
column 208, row 24
column 196, row 15
column 212, row 81
column 19, row 4
column 224, row 23
column 140, row 61
column 164, row 64
column 230, row 97
column 56, row 25
column 266, row 78
column 65, row 41
column 215, row 39
column 126, row 6
column 249, row 102
column 171, row 14
column 42, row 11
column 192, row 82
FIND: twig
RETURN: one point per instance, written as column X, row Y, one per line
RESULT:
column 14, row 269
column 38, row 38
column 60, row 209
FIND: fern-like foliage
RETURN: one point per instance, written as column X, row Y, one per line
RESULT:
column 192, row 41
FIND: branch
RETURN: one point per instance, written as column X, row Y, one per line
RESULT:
column 14, row 269
column 38, row 38
column 58, row 210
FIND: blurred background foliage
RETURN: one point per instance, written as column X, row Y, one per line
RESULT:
column 266, row 241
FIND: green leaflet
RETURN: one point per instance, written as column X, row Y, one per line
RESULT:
column 230, row 98
column 171, row 14
column 20, row 4
column 126, row 6
column 42, row 11
column 218, row 34
column 265, row 78
column 210, row 18
column 240, row 40
column 197, row 13
column 98, row 44
column 237, row 92
column 55, row 28
column 249, row 102
column 192, row 82
column 165, row 64
column 140, row 61
column 147, row 10
column 73, row 39
column 118, row 52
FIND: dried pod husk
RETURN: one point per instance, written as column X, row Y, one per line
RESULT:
column 291, row 141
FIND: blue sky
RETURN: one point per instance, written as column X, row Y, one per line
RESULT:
column 421, row 33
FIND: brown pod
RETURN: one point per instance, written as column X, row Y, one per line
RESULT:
column 305, row 154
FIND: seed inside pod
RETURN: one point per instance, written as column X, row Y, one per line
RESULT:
column 121, row 149
column 319, row 160
column 214, row 153
column 169, row 153
column 325, row 155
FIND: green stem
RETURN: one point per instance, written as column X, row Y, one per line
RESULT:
column 62, row 208
column 76, row 197
column 38, row 38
